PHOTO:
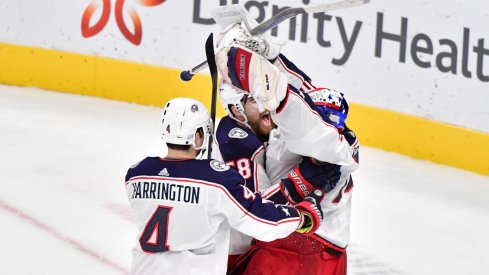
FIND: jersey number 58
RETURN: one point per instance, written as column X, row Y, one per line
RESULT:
column 243, row 166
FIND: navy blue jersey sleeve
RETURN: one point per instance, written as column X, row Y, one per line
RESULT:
column 249, row 213
column 290, row 65
column 235, row 141
column 241, row 149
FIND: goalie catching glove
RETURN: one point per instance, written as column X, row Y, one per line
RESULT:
column 306, row 177
column 238, row 34
column 310, row 212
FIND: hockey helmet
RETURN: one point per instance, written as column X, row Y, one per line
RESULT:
column 180, row 120
column 232, row 97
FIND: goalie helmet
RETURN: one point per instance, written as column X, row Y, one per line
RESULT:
column 232, row 97
column 181, row 119
column 332, row 104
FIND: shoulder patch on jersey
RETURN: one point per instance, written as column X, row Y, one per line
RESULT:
column 219, row 166
column 237, row 133
column 135, row 164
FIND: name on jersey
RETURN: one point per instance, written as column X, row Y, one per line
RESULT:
column 165, row 191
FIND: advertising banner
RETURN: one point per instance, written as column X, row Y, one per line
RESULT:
column 424, row 58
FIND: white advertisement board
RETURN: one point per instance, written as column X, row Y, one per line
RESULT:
column 424, row 58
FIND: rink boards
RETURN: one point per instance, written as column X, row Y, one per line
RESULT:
column 151, row 85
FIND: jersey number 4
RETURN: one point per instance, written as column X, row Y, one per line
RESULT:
column 154, row 236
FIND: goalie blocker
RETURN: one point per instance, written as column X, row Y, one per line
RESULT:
column 250, row 72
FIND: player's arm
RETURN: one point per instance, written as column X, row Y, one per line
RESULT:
column 331, row 105
column 307, row 134
column 295, row 76
column 303, row 128
column 243, row 151
column 247, row 157
column 250, row 214
column 257, row 179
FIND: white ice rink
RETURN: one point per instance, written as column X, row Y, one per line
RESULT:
column 63, row 208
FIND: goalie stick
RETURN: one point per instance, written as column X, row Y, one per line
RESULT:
column 279, row 18
column 209, row 52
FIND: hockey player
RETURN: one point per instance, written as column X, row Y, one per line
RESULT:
column 184, row 207
column 303, row 130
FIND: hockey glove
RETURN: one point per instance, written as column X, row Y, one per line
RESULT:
column 248, row 71
column 306, row 177
column 332, row 104
column 311, row 213
column 237, row 34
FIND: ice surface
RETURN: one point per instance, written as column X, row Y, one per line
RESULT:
column 64, row 210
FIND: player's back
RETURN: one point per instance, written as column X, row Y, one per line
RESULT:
column 176, row 206
column 184, row 210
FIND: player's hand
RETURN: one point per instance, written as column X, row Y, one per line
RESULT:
column 311, row 212
column 331, row 104
column 309, row 175
column 232, row 35
column 237, row 34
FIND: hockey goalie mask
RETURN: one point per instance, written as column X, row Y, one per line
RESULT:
column 232, row 97
column 331, row 104
column 181, row 119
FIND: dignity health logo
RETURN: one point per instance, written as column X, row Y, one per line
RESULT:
column 133, row 37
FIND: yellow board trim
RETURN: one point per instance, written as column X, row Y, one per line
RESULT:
column 98, row 76
column 421, row 138
column 150, row 85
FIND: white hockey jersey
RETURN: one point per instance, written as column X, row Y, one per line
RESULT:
column 336, row 204
column 301, row 132
column 184, row 211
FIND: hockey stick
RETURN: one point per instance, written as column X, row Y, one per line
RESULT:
column 209, row 53
column 279, row 18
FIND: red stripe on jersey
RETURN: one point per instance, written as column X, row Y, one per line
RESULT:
column 273, row 191
column 349, row 186
column 246, row 212
column 255, row 176
column 306, row 86
column 283, row 102
column 290, row 71
column 261, row 148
